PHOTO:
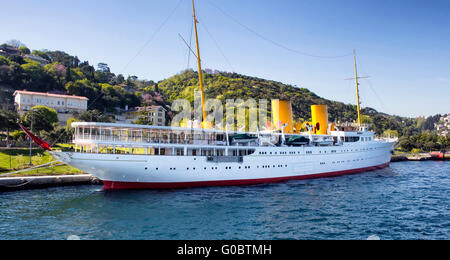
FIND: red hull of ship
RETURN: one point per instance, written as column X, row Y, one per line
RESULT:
column 111, row 185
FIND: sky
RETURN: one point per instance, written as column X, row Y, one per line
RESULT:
column 403, row 45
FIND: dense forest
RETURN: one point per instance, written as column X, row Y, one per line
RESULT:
column 109, row 93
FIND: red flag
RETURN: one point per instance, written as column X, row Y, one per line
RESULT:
column 41, row 143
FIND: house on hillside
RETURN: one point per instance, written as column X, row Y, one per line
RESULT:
column 155, row 115
column 64, row 105
column 443, row 126
column 41, row 60
column 8, row 50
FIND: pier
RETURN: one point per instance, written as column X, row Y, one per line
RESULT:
column 38, row 182
column 411, row 157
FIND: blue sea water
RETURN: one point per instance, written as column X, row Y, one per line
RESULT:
column 409, row 200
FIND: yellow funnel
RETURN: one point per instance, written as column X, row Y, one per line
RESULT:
column 281, row 115
column 319, row 115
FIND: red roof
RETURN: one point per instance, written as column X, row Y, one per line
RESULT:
column 48, row 94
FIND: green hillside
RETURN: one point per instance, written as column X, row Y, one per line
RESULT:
column 224, row 85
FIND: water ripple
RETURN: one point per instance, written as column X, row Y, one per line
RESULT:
column 407, row 201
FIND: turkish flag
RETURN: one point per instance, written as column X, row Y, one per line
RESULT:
column 40, row 142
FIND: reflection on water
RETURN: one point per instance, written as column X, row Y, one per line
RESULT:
column 410, row 200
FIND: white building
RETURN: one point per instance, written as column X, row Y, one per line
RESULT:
column 65, row 105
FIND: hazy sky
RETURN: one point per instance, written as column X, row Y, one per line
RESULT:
column 403, row 45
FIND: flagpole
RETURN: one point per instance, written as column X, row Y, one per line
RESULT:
column 31, row 139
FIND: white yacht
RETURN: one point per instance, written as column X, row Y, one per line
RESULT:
column 150, row 157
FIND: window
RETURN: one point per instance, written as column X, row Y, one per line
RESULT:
column 351, row 139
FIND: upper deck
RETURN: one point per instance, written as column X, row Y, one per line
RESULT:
column 143, row 136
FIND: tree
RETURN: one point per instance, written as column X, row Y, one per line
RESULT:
column 93, row 116
column 390, row 133
column 119, row 79
column 11, row 75
column 366, row 120
column 88, row 70
column 58, row 134
column 36, row 78
column 8, row 122
column 103, row 67
column 83, row 88
column 62, row 58
column 43, row 118
column 15, row 43
column 430, row 121
column 104, row 77
column 405, row 143
column 58, row 72
column 68, row 75
column 24, row 50
column 75, row 61
column 4, row 61
column 444, row 142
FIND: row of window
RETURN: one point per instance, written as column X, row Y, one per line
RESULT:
column 310, row 152
column 230, row 168
column 44, row 102
column 282, row 153
column 352, row 139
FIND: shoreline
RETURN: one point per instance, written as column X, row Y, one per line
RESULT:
column 417, row 157
column 40, row 182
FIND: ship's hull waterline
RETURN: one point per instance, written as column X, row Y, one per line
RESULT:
column 112, row 185
column 173, row 172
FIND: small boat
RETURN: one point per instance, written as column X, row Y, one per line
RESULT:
column 297, row 141
column 439, row 155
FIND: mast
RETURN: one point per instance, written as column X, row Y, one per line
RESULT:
column 356, row 78
column 200, row 73
column 357, row 90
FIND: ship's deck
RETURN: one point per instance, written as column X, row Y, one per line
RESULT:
column 157, row 140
